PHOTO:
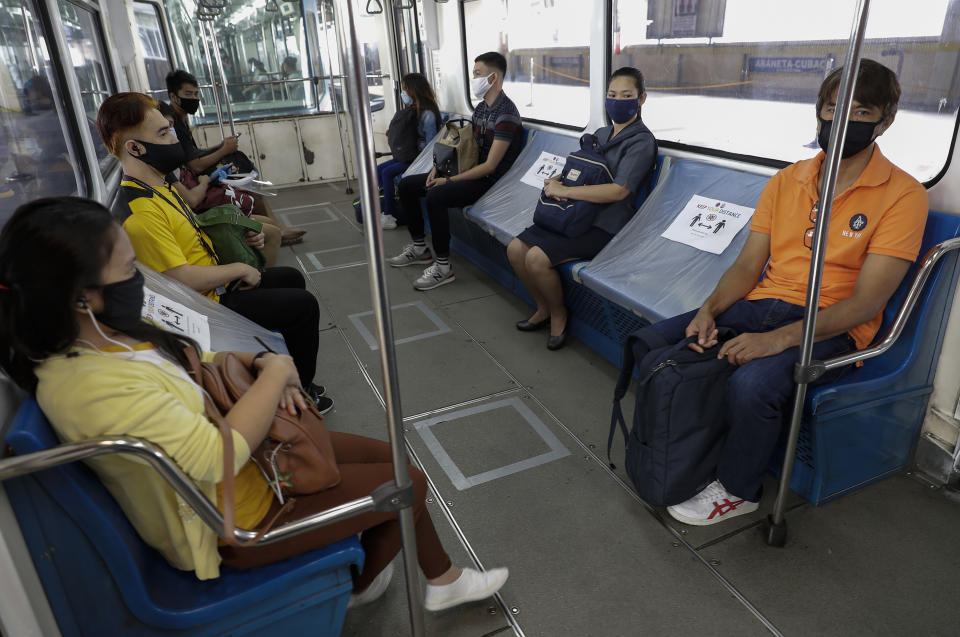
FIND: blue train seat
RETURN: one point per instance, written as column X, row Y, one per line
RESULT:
column 101, row 579
column 656, row 277
column 505, row 211
column 864, row 426
column 507, row 208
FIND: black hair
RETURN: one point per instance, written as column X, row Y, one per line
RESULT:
column 290, row 61
column 51, row 250
column 876, row 85
column 420, row 90
column 631, row 72
column 166, row 110
column 493, row 60
column 176, row 80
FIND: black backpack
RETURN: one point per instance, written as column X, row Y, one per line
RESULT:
column 679, row 419
column 402, row 135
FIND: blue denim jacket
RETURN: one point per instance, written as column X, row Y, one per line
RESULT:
column 426, row 128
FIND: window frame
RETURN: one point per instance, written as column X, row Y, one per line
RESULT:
column 468, row 72
column 109, row 173
column 91, row 184
column 161, row 14
column 758, row 160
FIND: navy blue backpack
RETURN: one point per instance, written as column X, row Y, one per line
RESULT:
column 584, row 167
column 679, row 424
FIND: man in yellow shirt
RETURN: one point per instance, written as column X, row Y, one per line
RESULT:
column 167, row 238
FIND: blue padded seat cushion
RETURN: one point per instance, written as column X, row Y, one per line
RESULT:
column 919, row 342
column 155, row 592
column 660, row 278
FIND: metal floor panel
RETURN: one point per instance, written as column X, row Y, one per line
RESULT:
column 585, row 558
column 576, row 385
column 301, row 195
column 880, row 561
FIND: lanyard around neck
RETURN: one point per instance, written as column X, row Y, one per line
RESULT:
column 181, row 207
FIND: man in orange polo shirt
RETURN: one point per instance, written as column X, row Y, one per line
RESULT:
column 876, row 228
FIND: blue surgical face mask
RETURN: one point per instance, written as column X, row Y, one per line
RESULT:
column 406, row 99
column 622, row 111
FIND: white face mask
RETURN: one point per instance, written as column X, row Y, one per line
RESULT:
column 480, row 85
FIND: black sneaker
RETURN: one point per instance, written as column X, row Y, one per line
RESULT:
column 316, row 393
column 323, row 404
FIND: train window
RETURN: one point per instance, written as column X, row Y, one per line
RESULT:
column 156, row 58
column 263, row 48
column 81, row 30
column 35, row 155
column 547, row 46
column 742, row 75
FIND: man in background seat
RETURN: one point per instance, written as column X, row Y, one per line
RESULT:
column 498, row 131
column 184, row 94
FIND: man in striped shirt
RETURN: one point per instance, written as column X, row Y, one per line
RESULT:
column 498, row 131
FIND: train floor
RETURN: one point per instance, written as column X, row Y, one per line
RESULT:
column 513, row 437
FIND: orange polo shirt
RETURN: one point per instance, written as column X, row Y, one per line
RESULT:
column 884, row 212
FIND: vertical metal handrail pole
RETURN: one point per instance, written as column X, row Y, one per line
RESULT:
column 333, row 94
column 390, row 14
column 356, row 85
column 776, row 526
column 213, row 81
column 223, row 78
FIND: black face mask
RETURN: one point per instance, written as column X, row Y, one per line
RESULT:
column 122, row 303
column 164, row 157
column 189, row 104
column 859, row 135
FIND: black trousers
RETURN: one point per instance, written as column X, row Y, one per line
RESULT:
column 282, row 303
column 439, row 198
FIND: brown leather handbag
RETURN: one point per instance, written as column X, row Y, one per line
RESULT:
column 296, row 456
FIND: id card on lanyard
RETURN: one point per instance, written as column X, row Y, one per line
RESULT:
column 184, row 210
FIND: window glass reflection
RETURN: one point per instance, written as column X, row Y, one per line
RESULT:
column 81, row 30
column 35, row 156
column 156, row 58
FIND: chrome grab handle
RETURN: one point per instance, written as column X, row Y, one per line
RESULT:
column 185, row 487
column 930, row 260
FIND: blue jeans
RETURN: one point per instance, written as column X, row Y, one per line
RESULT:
column 385, row 174
column 758, row 391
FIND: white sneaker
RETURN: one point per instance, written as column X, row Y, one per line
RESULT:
column 713, row 504
column 377, row 588
column 434, row 276
column 409, row 255
column 388, row 222
column 471, row 586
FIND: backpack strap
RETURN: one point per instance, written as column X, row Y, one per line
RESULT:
column 650, row 338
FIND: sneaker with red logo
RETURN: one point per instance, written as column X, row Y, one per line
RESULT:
column 713, row 504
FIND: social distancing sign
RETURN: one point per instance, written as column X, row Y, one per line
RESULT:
column 708, row 224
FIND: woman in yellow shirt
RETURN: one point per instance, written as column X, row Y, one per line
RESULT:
column 71, row 334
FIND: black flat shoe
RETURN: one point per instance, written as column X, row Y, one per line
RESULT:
column 556, row 342
column 527, row 326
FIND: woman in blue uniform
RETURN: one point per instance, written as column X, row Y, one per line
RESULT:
column 536, row 252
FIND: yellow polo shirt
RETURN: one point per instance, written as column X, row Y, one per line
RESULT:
column 162, row 229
